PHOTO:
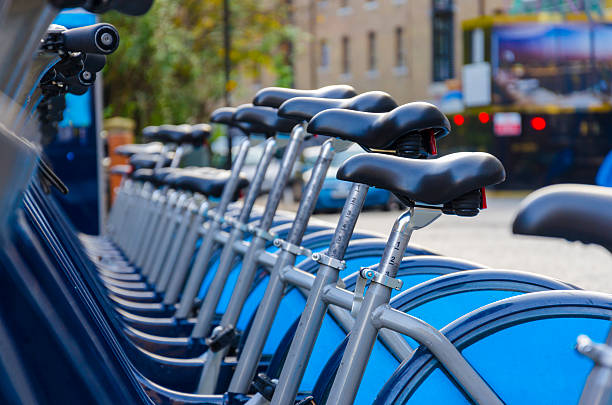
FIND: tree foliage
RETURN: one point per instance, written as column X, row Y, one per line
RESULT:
column 169, row 65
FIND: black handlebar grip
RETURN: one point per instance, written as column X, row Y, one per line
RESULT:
column 94, row 62
column 75, row 86
column 98, row 38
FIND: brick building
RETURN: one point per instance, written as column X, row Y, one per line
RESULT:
column 408, row 48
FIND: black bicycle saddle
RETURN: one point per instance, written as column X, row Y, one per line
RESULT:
column 304, row 108
column 570, row 211
column 199, row 133
column 145, row 161
column 179, row 134
column 150, row 133
column 159, row 176
column 206, row 181
column 381, row 130
column 143, row 175
column 223, row 115
column 263, row 120
column 130, row 149
column 275, row 96
column 431, row 181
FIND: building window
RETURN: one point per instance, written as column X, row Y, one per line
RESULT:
column 400, row 56
column 346, row 64
column 324, row 54
column 370, row 5
column 343, row 3
column 371, row 51
column 442, row 22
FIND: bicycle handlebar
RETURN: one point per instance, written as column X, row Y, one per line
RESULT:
column 94, row 62
column 96, row 39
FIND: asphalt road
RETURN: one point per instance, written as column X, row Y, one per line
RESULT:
column 488, row 239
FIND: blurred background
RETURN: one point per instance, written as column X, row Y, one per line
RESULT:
column 529, row 81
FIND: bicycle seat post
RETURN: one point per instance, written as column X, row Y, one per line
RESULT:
column 200, row 265
column 250, row 260
column 312, row 317
column 161, row 157
column 364, row 332
column 264, row 317
column 228, row 253
column 180, row 151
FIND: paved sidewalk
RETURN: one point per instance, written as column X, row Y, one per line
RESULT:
column 488, row 239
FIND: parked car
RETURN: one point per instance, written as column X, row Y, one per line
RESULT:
column 253, row 158
column 334, row 191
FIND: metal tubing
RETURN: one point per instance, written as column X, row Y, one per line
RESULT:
column 257, row 245
column 247, row 366
column 182, row 265
column 314, row 312
column 143, row 221
column 178, row 155
column 364, row 332
column 152, row 232
column 176, row 250
column 150, row 228
column 162, row 155
column 228, row 254
column 160, row 235
column 387, row 317
column 144, row 217
column 264, row 258
column 221, row 237
column 198, row 272
column 297, row 277
column 598, row 385
column 249, row 262
column 169, row 237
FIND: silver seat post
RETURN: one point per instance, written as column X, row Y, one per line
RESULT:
column 150, row 215
column 189, row 246
column 168, row 203
column 200, row 266
column 312, row 317
column 162, row 155
column 364, row 333
column 123, row 214
column 111, row 219
column 119, row 209
column 228, row 253
column 181, row 151
column 156, row 216
column 268, row 307
column 249, row 262
column 374, row 314
column 139, row 220
column 177, row 245
column 125, row 231
column 173, row 221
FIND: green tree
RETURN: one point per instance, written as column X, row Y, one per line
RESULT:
column 169, row 65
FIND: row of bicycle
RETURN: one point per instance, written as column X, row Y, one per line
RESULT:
column 215, row 300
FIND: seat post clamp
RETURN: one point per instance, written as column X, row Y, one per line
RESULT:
column 261, row 233
column 329, row 261
column 367, row 274
column 236, row 224
column 291, row 248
